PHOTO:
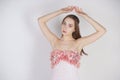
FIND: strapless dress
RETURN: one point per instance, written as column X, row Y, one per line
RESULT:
column 65, row 64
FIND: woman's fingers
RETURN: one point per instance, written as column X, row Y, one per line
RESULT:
column 79, row 10
column 68, row 9
column 76, row 9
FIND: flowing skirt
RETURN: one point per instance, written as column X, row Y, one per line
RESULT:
column 65, row 71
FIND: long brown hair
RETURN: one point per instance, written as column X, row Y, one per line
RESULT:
column 75, row 34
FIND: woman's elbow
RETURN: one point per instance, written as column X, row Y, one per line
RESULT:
column 43, row 20
column 105, row 30
column 39, row 19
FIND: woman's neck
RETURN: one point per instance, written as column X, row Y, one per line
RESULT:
column 67, row 38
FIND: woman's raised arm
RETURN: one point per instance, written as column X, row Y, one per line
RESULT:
column 44, row 19
column 100, row 30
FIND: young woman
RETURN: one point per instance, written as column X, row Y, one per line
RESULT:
column 67, row 50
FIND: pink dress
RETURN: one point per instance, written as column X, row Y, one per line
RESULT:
column 65, row 64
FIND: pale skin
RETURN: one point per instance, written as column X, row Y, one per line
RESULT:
column 67, row 42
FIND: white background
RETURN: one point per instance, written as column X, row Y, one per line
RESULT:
column 24, row 50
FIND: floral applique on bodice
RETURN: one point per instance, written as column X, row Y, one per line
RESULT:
column 71, row 56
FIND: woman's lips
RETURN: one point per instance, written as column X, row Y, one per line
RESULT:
column 64, row 31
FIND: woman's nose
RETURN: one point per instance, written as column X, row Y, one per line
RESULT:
column 65, row 26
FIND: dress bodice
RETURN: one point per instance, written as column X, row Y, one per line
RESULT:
column 70, row 56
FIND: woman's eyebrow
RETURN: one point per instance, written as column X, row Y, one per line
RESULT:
column 69, row 23
column 64, row 21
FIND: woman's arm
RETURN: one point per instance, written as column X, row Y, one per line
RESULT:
column 49, row 16
column 100, row 30
column 44, row 19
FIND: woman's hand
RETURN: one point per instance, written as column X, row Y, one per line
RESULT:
column 67, row 9
column 79, row 11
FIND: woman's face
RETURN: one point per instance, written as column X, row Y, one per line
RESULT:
column 68, row 26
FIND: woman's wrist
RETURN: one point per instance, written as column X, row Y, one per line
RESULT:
column 62, row 11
